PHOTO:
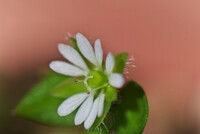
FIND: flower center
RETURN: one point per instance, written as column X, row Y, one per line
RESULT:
column 96, row 79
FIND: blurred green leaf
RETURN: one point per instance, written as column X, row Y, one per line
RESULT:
column 39, row 106
column 69, row 87
column 120, row 62
column 130, row 116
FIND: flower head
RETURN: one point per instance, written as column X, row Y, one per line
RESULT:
column 96, row 78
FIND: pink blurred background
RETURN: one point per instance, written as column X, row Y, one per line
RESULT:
column 163, row 36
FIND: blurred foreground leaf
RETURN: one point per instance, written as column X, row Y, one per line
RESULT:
column 40, row 106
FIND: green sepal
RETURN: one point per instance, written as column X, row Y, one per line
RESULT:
column 69, row 87
column 72, row 42
column 120, row 62
column 111, row 93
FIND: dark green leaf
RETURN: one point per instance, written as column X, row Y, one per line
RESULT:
column 120, row 62
column 130, row 116
column 39, row 106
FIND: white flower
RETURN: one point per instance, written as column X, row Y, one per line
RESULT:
column 90, row 107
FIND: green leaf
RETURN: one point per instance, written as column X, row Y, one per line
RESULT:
column 130, row 116
column 39, row 106
column 69, row 87
column 120, row 62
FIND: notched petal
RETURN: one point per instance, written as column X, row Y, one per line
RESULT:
column 98, row 51
column 92, row 115
column 101, row 105
column 110, row 63
column 70, row 104
column 84, row 110
column 66, row 68
column 86, row 48
column 72, row 55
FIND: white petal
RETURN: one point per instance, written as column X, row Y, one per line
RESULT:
column 86, row 48
column 98, row 51
column 71, row 103
column 84, row 110
column 116, row 80
column 110, row 62
column 92, row 115
column 72, row 55
column 66, row 68
column 101, row 105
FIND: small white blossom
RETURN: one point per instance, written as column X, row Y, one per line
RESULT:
column 90, row 107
